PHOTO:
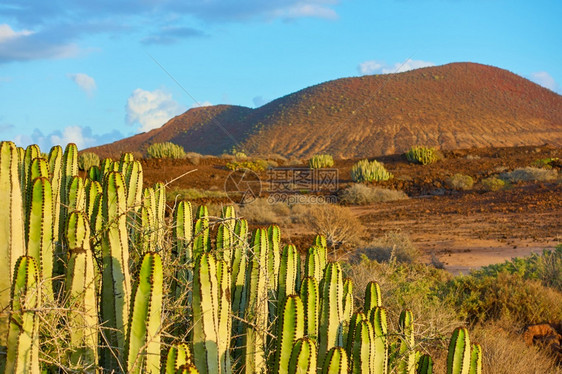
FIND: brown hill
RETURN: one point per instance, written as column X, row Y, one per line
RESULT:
column 458, row 105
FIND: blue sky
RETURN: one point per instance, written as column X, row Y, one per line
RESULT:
column 92, row 72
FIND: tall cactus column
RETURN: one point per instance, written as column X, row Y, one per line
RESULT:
column 116, row 283
column 11, row 228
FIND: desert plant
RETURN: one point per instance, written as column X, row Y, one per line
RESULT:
column 360, row 194
column 493, row 183
column 321, row 161
column 421, row 155
column 393, row 246
column 256, row 166
column 337, row 224
column 87, row 160
column 165, row 150
column 530, row 174
column 460, row 182
column 365, row 171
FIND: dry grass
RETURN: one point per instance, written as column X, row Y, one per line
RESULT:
column 393, row 246
column 359, row 194
column 338, row 224
column 530, row 174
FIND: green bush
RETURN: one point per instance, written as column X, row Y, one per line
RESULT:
column 359, row 194
column 493, row 184
column 460, row 182
column 88, row 159
column 365, row 171
column 421, row 155
column 165, row 150
column 256, row 166
column 545, row 163
column 321, row 161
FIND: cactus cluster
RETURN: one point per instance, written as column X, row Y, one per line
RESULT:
column 165, row 150
column 369, row 171
column 421, row 155
column 98, row 248
column 321, row 161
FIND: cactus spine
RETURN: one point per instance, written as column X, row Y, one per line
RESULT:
column 11, row 229
column 336, row 361
column 458, row 359
column 303, row 357
column 81, row 293
column 224, row 243
column 373, row 296
column 178, row 355
column 143, row 343
column 202, row 242
column 312, row 265
column 116, row 283
column 133, row 178
column 322, row 245
column 160, row 210
column 23, row 335
column 290, row 328
column 476, row 359
column 407, row 354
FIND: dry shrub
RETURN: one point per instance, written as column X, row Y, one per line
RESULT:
column 530, row 174
column 193, row 157
column 359, row 194
column 460, row 182
column 493, row 184
column 338, row 224
column 262, row 212
column 393, row 246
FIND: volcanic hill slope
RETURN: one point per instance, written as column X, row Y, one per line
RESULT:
column 459, row 105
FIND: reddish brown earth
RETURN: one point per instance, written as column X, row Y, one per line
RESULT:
column 463, row 229
column 454, row 106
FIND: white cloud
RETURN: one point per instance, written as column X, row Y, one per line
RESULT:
column 7, row 33
column 83, row 137
column 84, row 81
column 151, row 109
column 200, row 105
column 544, row 79
column 306, row 9
column 373, row 66
column 27, row 45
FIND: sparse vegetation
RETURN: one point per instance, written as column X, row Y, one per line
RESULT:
column 321, row 161
column 421, row 155
column 493, row 183
column 530, row 173
column 256, row 166
column 393, row 246
column 359, row 194
column 165, row 150
column 369, row 171
column 338, row 224
column 87, row 160
column 460, row 182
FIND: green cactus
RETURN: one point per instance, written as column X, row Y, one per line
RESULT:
column 336, row 361
column 310, row 295
column 205, row 315
column 303, row 357
column 322, row 245
column 312, row 265
column 23, row 335
column 290, row 327
column 178, row 355
column 228, row 215
column 92, row 190
column 458, row 358
column 202, row 242
column 224, row 324
column 373, row 296
column 116, row 283
column 287, row 279
column 81, row 294
column 143, row 234
column 107, row 165
column 377, row 317
column 425, row 365
column 321, row 161
column 38, row 168
column 368, row 171
column 273, row 255
column 31, row 152
column 143, row 342
column 12, row 245
column 406, row 353
column 421, row 155
column 40, row 231
column 55, row 169
column 94, row 173
column 224, row 243
column 133, row 179
column 160, row 209
column 76, row 195
column 238, row 282
column 69, row 169
column 182, row 234
column 363, row 353
column 124, row 161
column 347, row 299
column 476, row 359
column 257, row 307
column 187, row 369
column 331, row 310
column 353, row 322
